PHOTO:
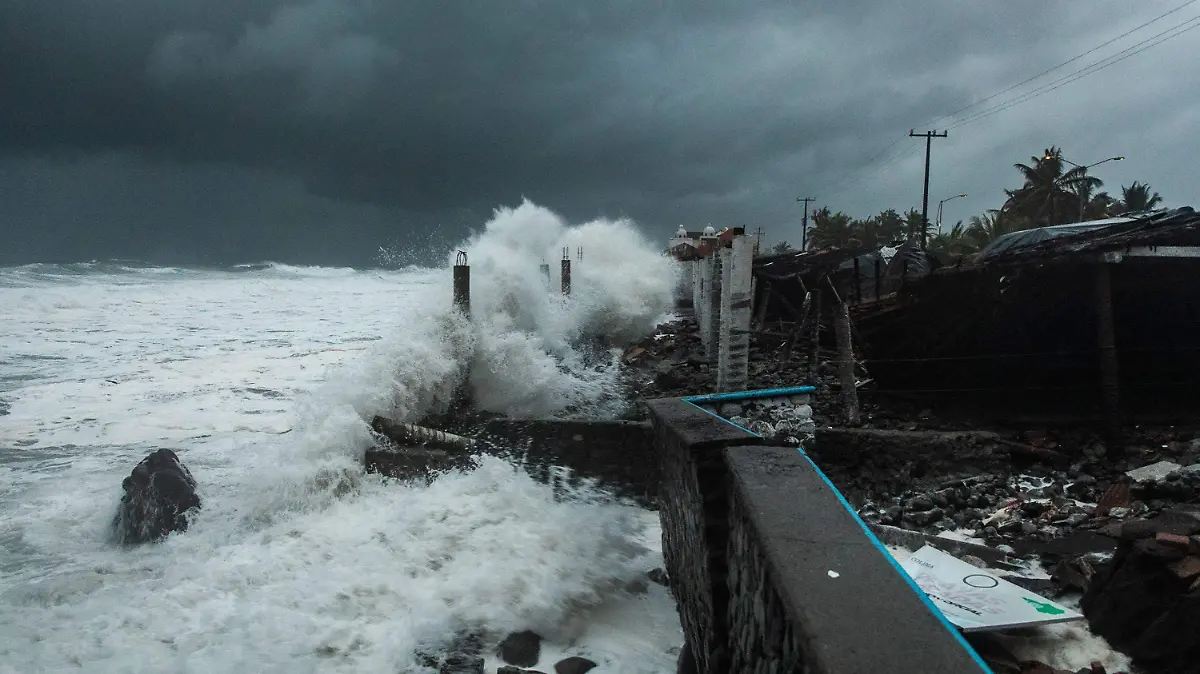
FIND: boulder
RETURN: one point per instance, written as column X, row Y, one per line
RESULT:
column 159, row 494
column 522, row 649
column 574, row 665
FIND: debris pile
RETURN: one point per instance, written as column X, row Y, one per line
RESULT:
column 780, row 423
column 1147, row 601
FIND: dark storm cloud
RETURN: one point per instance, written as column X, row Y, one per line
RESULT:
column 399, row 115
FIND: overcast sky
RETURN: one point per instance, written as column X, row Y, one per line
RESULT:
column 315, row 131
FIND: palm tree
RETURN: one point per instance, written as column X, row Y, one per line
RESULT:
column 890, row 226
column 956, row 241
column 1084, row 196
column 913, row 228
column 867, row 233
column 1136, row 198
column 983, row 229
column 1100, row 207
column 831, row 230
column 781, row 247
column 1049, row 196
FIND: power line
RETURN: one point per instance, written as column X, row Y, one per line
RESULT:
column 855, row 177
column 1060, row 65
column 1082, row 72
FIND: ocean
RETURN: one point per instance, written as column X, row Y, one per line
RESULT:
column 262, row 377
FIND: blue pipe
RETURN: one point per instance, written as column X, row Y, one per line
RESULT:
column 747, row 395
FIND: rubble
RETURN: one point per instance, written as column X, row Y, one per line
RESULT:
column 1146, row 602
column 1100, row 523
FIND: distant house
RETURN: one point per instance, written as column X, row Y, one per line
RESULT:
column 690, row 245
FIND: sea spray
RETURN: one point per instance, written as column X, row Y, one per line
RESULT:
column 299, row 561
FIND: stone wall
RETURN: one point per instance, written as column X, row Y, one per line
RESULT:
column 772, row 572
column 693, row 511
column 620, row 455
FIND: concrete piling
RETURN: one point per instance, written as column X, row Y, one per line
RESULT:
column 462, row 283
column 566, row 272
column 733, row 348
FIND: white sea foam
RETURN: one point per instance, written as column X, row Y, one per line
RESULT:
column 263, row 379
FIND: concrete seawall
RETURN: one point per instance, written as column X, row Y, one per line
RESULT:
column 774, row 572
column 618, row 455
column 771, row 568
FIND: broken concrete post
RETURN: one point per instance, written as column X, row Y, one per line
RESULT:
column 713, row 310
column 566, row 272
column 841, row 329
column 709, row 308
column 733, row 348
column 405, row 434
column 1106, row 341
column 462, row 283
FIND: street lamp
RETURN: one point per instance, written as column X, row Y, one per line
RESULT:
column 1085, row 168
column 939, row 215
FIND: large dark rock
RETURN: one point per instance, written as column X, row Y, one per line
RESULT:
column 159, row 493
column 574, row 665
column 1147, row 601
column 522, row 649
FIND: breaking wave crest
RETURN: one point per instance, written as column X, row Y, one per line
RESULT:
column 299, row 561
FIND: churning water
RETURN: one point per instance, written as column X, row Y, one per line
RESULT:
column 262, row 378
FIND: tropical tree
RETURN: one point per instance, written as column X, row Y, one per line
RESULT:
column 1136, row 198
column 1050, row 196
column 891, row 226
column 831, row 230
column 879, row 230
column 956, row 241
column 913, row 226
column 983, row 229
column 781, row 247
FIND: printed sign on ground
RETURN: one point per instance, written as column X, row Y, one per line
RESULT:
column 976, row 600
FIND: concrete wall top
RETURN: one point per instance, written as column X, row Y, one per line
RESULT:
column 856, row 610
column 695, row 427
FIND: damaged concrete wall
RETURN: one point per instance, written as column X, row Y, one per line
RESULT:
column 750, row 536
column 620, row 455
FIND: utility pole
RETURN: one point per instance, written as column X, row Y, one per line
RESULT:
column 804, row 227
column 928, row 136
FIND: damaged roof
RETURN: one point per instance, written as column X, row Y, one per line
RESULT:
column 1180, row 226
